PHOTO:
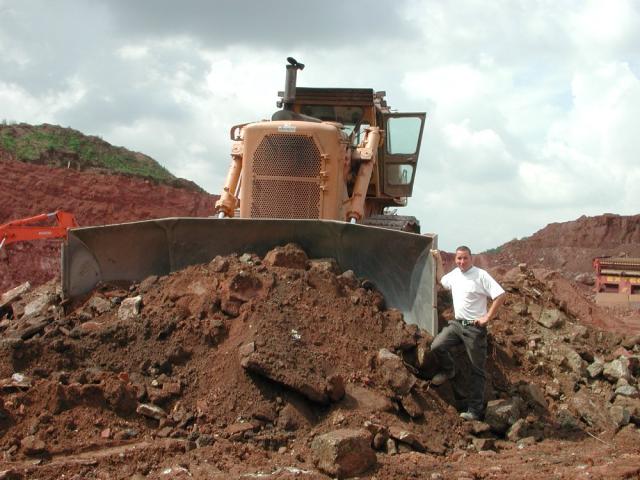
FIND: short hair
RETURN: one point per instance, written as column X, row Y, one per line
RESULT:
column 464, row 248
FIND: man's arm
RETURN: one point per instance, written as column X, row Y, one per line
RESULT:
column 495, row 305
column 439, row 268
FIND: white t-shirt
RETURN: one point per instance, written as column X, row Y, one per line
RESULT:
column 470, row 291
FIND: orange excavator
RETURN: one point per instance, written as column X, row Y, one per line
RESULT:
column 31, row 229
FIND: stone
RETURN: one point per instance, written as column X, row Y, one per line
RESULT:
column 366, row 399
column 411, row 405
column 219, row 264
column 151, row 411
column 295, row 415
column 627, row 391
column 584, row 407
column 501, row 414
column 551, row 318
column 39, row 305
column 237, row 431
column 98, row 304
column 289, row 256
column 517, row 431
column 343, row 453
column 147, row 283
column 482, row 444
column 335, row 388
column 14, row 294
column 596, row 368
column 32, row 445
column 619, row 415
column 566, row 419
column 573, row 361
column 130, row 308
column 616, row 369
column 536, row 394
column 395, row 374
column 405, row 436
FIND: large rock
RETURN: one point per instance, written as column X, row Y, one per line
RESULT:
column 14, row 294
column 627, row 391
column 591, row 411
column 39, row 305
column 130, row 308
column 536, row 394
column 573, row 361
column 620, row 416
column 596, row 368
column 501, row 414
column 551, row 318
column 395, row 374
column 617, row 369
column 289, row 256
column 344, row 453
column 369, row 400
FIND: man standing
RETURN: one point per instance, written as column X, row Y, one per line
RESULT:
column 470, row 288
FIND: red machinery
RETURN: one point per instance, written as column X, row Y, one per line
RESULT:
column 617, row 280
column 28, row 228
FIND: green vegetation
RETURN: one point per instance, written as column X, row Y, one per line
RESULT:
column 62, row 147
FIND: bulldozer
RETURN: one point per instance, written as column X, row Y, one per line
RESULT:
column 323, row 173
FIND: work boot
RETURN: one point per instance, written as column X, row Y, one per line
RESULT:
column 439, row 378
column 469, row 416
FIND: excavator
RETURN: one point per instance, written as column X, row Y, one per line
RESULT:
column 34, row 228
column 323, row 173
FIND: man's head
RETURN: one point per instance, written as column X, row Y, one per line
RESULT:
column 464, row 261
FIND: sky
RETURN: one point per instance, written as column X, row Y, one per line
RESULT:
column 531, row 105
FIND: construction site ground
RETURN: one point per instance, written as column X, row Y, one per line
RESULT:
column 286, row 367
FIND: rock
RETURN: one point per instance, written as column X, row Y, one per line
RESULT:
column 536, row 394
column 404, row 436
column 219, row 264
column 619, row 415
column 348, row 279
column 14, row 294
column 616, row 369
column 595, row 369
column 39, row 305
column 484, row 444
column 573, row 361
column 335, row 388
column 501, row 414
column 365, row 399
column 98, row 304
column 289, row 256
column 584, row 407
column 344, row 453
column 237, row 431
column 395, row 374
column 130, row 308
column 551, row 318
column 151, row 411
column 295, row 415
column 566, row 419
column 391, row 447
column 628, row 342
column 32, row 445
column 627, row 391
column 411, row 405
column 517, row 431
column 585, row 279
column 324, row 265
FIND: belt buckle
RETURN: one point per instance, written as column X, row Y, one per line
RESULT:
column 466, row 323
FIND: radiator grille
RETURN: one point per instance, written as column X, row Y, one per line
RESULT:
column 285, row 199
column 287, row 155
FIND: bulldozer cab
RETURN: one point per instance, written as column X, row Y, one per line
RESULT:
column 358, row 109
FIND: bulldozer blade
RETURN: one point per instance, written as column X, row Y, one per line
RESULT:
column 398, row 263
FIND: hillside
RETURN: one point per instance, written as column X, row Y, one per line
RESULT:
column 56, row 146
column 571, row 246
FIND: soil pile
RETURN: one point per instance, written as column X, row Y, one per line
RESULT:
column 277, row 367
column 27, row 190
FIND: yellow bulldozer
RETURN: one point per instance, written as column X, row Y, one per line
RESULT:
column 322, row 173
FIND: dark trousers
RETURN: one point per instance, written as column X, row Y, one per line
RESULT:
column 475, row 342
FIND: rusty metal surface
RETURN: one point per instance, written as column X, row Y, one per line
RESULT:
column 398, row 263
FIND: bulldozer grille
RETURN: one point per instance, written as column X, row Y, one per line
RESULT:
column 286, row 177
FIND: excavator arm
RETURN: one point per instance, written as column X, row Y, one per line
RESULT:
column 28, row 229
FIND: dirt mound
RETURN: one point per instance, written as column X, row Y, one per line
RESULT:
column 95, row 199
column 267, row 367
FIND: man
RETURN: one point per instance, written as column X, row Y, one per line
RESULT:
column 470, row 287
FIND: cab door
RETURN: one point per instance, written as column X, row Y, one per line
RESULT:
column 403, row 135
